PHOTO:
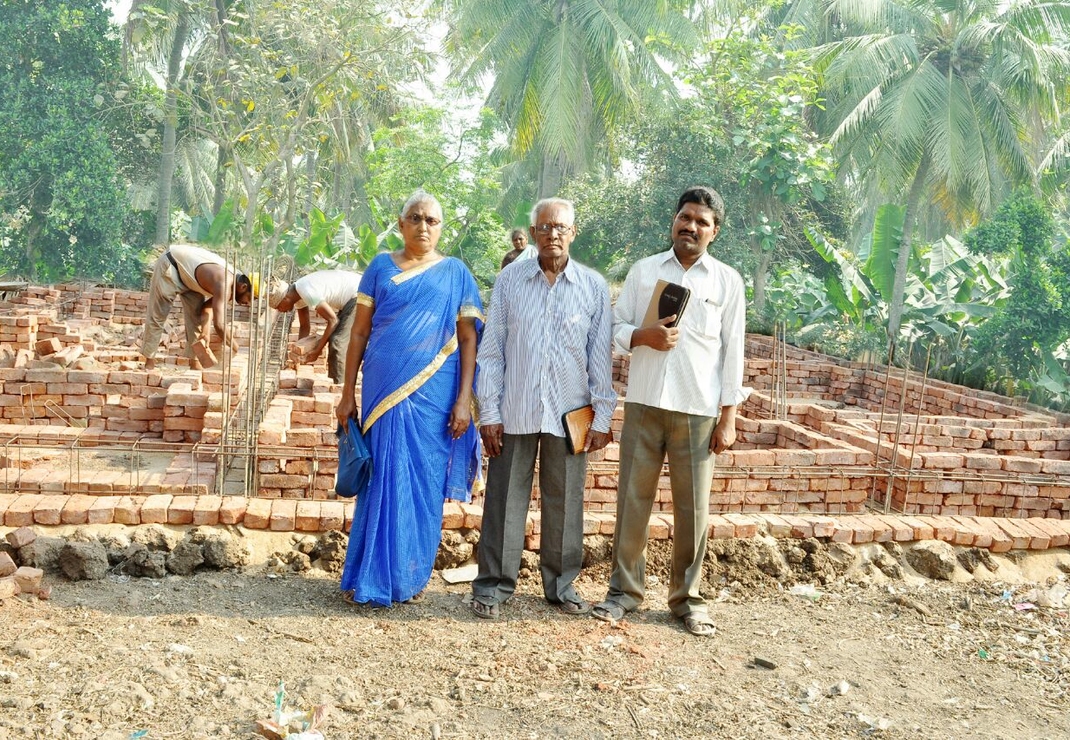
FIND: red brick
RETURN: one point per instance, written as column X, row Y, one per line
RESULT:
column 1039, row 539
column 721, row 528
column 842, row 529
column 308, row 516
column 6, row 499
column 49, row 510
column 283, row 515
column 823, row 525
column 921, row 526
column 1019, row 538
column 776, row 526
column 232, row 509
column 745, row 526
column 29, row 579
column 128, row 510
column 350, row 507
column 1059, row 535
column 882, row 531
column 901, row 529
column 7, row 565
column 206, row 510
column 452, row 515
column 20, row 513
column 257, row 513
column 332, row 515
column 154, row 508
column 801, row 527
column 473, row 516
column 103, row 510
column 181, row 510
column 657, row 528
column 76, row 510
column 944, row 527
column 45, row 347
column 1001, row 541
column 863, row 533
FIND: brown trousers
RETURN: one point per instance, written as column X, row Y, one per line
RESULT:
column 649, row 434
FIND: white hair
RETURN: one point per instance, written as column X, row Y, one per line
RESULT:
column 547, row 202
column 420, row 196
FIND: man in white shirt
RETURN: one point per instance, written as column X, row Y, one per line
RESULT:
column 332, row 294
column 684, row 384
column 546, row 350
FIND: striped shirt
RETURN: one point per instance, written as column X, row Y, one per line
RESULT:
column 546, row 349
column 704, row 371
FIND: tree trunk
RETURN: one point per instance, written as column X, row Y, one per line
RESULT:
column 550, row 176
column 170, row 126
column 902, row 264
column 761, row 274
column 220, row 181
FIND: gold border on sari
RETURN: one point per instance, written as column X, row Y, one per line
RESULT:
column 413, row 272
column 471, row 312
column 364, row 299
column 410, row 387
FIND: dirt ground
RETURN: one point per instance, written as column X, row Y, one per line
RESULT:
column 203, row 656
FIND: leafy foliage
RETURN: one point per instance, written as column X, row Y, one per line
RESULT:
column 59, row 192
column 1016, row 347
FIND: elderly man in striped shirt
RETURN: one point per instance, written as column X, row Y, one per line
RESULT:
column 546, row 350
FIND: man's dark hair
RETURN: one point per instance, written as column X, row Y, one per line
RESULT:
column 704, row 196
column 244, row 280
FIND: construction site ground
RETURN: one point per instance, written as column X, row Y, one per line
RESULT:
column 203, row 656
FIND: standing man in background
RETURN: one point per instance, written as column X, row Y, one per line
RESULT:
column 684, row 384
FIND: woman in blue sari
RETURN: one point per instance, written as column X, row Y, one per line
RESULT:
column 415, row 332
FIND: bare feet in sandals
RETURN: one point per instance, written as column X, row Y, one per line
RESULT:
column 485, row 609
column 608, row 611
column 699, row 624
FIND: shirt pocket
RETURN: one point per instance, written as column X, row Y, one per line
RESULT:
column 710, row 319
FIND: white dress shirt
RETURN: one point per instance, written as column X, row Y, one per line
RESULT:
column 546, row 350
column 704, row 371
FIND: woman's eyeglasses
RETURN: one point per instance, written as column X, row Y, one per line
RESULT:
column 416, row 219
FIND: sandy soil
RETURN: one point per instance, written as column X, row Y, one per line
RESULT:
column 203, row 656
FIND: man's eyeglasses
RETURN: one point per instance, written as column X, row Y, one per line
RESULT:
column 416, row 219
column 547, row 228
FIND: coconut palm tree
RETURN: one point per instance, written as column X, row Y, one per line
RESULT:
column 158, row 36
column 565, row 72
column 935, row 101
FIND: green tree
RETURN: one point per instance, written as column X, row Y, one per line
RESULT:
column 1015, row 346
column 59, row 194
column 933, row 101
column 291, row 82
column 567, row 72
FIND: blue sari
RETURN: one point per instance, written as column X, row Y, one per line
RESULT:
column 411, row 372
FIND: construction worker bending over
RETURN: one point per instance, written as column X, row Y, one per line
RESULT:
column 333, row 295
column 205, row 283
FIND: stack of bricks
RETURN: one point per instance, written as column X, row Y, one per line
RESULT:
column 18, row 331
column 183, row 413
column 129, row 306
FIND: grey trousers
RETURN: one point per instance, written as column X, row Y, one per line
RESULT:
column 338, row 342
column 649, row 434
column 501, row 541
